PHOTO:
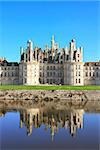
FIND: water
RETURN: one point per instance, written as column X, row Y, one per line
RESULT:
column 49, row 129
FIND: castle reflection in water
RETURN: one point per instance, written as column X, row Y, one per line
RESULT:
column 54, row 119
column 68, row 119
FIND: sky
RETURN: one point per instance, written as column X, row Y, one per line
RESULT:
column 38, row 21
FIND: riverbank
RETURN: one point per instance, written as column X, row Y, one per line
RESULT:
column 50, row 99
column 50, row 95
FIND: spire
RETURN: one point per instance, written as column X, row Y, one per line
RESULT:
column 30, row 44
column 46, row 47
column 30, row 48
column 52, row 37
column 52, row 43
column 72, row 44
column 21, row 50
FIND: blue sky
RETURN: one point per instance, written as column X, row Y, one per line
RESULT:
column 38, row 21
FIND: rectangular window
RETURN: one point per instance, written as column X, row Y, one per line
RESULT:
column 53, row 80
column 47, row 67
column 51, row 67
column 50, row 81
column 25, row 80
column 97, row 74
column 40, row 74
column 54, row 73
column 76, row 80
column 86, row 74
column 79, row 81
column 54, row 67
column 5, row 74
column 1, row 74
column 50, row 73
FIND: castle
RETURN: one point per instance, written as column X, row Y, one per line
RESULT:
column 50, row 66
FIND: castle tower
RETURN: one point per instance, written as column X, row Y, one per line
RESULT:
column 81, row 52
column 25, row 56
column 56, row 48
column 21, row 52
column 30, row 44
column 46, row 50
column 30, row 47
column 71, row 49
column 52, row 45
column 72, row 44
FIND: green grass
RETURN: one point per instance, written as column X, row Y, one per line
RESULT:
column 51, row 87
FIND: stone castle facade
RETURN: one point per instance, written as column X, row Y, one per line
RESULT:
column 50, row 66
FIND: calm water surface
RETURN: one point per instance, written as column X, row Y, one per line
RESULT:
column 53, row 129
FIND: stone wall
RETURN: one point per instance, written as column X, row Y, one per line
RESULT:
column 48, row 95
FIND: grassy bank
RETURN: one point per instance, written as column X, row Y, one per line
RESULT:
column 22, row 87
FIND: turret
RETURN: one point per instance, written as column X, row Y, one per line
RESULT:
column 71, row 50
column 25, row 56
column 30, row 44
column 66, row 50
column 21, row 54
column 46, row 51
column 46, row 48
column 72, row 44
column 52, row 43
column 30, row 47
column 81, row 49
column 21, row 51
column 56, row 46
column 81, row 52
